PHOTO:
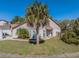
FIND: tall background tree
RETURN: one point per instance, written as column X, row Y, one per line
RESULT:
column 76, row 26
column 64, row 24
column 37, row 16
column 17, row 19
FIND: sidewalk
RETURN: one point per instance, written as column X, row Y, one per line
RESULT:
column 65, row 55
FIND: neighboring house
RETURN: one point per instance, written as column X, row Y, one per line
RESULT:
column 4, row 29
column 9, row 30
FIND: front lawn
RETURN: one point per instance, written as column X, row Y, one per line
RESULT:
column 50, row 47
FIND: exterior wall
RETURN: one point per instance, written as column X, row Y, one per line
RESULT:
column 30, row 29
column 53, row 24
column 0, row 34
column 55, row 27
column 14, row 35
column 6, row 31
column 4, row 28
column 32, row 32
column 55, row 31
column 42, row 31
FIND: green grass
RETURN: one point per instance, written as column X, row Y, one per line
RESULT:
column 50, row 47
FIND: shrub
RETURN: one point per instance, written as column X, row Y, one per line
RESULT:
column 70, row 37
column 23, row 33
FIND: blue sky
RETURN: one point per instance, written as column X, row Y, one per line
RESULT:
column 58, row 9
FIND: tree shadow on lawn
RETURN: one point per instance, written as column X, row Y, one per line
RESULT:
column 33, row 41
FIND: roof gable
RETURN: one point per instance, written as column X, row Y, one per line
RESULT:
column 50, row 20
column 3, row 21
column 53, row 24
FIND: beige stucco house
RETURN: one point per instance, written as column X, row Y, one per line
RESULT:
column 51, row 30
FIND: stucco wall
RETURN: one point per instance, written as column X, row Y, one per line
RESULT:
column 31, row 32
column 42, row 31
column 8, row 31
column 53, row 24
column 0, row 34
column 14, row 35
column 55, row 27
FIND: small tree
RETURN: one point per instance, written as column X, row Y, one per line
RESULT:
column 37, row 16
column 22, row 33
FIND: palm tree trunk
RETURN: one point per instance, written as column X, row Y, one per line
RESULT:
column 37, row 42
column 37, row 38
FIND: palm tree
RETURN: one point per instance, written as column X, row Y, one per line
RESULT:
column 37, row 16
